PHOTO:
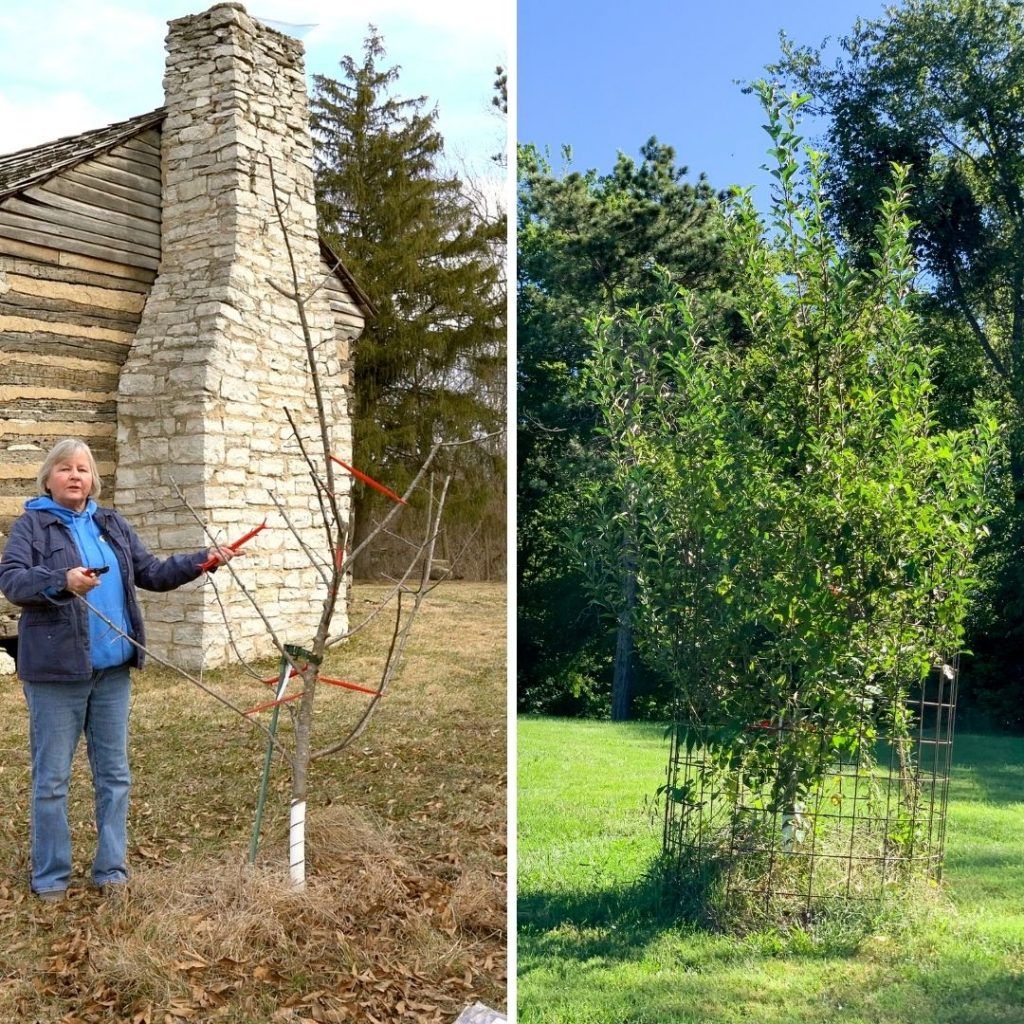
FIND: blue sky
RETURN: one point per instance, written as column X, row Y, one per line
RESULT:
column 67, row 66
column 603, row 77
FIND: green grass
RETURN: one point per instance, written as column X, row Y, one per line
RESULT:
column 596, row 943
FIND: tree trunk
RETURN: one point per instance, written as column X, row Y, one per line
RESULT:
column 1017, row 464
column 623, row 672
column 300, row 774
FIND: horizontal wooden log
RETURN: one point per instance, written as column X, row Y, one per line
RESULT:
column 105, row 266
column 71, row 246
column 39, row 307
column 69, row 196
column 79, row 295
column 137, row 152
column 67, row 226
column 28, row 470
column 16, row 380
column 49, row 255
column 133, row 163
column 10, row 248
column 43, row 307
column 34, row 361
column 72, row 191
column 53, row 430
column 100, row 222
column 52, row 410
column 116, row 171
column 69, row 275
column 63, row 345
column 84, row 174
column 32, row 392
column 38, row 325
column 147, row 142
column 344, row 305
column 347, row 318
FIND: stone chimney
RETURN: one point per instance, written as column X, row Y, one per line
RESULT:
column 219, row 355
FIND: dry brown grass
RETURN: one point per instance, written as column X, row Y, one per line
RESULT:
column 403, row 917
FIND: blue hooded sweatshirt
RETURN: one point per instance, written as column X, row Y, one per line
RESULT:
column 107, row 647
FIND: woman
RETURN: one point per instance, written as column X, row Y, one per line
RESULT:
column 73, row 658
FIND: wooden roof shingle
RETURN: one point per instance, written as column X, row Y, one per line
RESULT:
column 27, row 167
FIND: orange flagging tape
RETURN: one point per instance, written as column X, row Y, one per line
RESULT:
column 349, row 686
column 272, row 703
column 369, row 480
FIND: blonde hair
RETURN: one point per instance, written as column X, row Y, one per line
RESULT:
column 65, row 449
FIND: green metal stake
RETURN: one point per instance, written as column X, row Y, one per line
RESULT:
column 298, row 654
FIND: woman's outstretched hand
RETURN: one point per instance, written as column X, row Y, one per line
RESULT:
column 221, row 555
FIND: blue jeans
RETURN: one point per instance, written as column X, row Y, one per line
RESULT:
column 58, row 715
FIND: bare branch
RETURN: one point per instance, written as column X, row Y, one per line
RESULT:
column 455, row 561
column 183, row 673
column 322, row 490
column 231, row 636
column 399, row 587
column 307, row 337
column 323, row 280
column 413, row 486
column 234, row 574
column 310, row 554
column 399, row 637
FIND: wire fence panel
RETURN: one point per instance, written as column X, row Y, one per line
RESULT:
column 872, row 817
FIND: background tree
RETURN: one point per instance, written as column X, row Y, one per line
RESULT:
column 430, row 366
column 586, row 243
column 938, row 85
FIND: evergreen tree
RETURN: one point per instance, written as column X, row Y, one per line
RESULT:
column 587, row 243
column 430, row 365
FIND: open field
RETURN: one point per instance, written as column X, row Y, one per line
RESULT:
column 403, row 918
column 596, row 947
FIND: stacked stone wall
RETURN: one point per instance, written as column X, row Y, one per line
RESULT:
column 218, row 355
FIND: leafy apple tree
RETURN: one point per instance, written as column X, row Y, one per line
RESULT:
column 804, row 530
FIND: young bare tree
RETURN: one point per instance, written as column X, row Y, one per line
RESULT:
column 332, row 566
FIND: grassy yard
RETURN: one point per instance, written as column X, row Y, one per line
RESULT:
column 403, row 918
column 595, row 947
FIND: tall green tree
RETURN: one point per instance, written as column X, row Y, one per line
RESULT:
column 805, row 527
column 938, row 86
column 587, row 243
column 430, row 366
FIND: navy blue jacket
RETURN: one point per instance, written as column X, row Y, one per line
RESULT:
column 53, row 632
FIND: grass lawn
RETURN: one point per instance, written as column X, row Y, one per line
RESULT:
column 595, row 947
column 403, row 917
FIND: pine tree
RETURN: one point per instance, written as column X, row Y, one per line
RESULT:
column 430, row 365
column 588, row 244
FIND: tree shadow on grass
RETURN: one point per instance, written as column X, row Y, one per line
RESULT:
column 993, row 765
column 705, row 975
column 620, row 923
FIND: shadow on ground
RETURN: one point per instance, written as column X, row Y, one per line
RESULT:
column 988, row 766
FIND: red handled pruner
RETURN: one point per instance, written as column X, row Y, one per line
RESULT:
column 214, row 560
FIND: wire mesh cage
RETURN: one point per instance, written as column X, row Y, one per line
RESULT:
column 790, row 813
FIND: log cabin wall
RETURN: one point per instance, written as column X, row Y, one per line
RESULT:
column 177, row 374
column 79, row 252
